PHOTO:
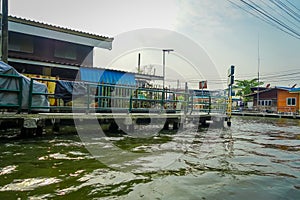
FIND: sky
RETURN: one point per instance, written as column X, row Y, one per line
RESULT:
column 207, row 36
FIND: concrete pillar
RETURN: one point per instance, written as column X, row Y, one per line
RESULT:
column 130, row 128
column 55, row 125
column 40, row 127
column 166, row 125
column 175, row 125
column 113, row 126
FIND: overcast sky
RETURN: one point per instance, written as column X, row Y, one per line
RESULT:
column 215, row 30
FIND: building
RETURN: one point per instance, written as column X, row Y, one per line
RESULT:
column 39, row 50
column 47, row 50
column 277, row 99
column 296, row 91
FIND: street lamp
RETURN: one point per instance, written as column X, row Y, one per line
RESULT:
column 164, row 65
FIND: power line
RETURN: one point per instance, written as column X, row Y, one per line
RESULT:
column 263, row 18
column 266, row 77
column 284, row 80
column 277, row 12
column 278, row 73
column 286, row 9
column 263, row 13
column 293, row 6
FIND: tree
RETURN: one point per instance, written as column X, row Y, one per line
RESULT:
column 246, row 85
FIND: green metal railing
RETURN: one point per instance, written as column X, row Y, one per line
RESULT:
column 118, row 98
column 18, row 90
column 200, row 103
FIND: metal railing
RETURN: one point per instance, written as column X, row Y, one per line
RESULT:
column 17, row 89
column 98, row 97
column 115, row 98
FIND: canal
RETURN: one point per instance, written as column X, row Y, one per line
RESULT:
column 256, row 158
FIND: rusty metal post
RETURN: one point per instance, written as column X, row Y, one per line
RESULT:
column 4, row 31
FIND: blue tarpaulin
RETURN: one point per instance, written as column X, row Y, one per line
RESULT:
column 91, row 74
column 107, row 76
column 295, row 90
column 68, row 90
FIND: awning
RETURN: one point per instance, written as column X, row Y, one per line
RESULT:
column 107, row 76
column 90, row 74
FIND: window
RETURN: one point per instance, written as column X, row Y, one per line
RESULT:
column 269, row 102
column 291, row 101
column 65, row 50
column 20, row 43
column 265, row 102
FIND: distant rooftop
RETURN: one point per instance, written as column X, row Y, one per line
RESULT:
column 262, row 90
column 295, row 90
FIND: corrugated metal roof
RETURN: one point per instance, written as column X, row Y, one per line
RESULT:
column 268, row 89
column 295, row 90
column 107, row 76
column 57, row 28
column 283, row 87
column 31, row 27
column 20, row 59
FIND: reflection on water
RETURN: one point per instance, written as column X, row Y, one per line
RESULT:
column 255, row 158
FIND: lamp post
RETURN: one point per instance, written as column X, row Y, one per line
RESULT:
column 4, row 32
column 164, row 64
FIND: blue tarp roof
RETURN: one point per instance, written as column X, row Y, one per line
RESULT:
column 282, row 88
column 295, row 90
column 107, row 76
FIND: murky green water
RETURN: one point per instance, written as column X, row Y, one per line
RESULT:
column 254, row 159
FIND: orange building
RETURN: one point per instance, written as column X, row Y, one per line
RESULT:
column 296, row 91
column 277, row 99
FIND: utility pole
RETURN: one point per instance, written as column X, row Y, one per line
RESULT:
column 258, row 66
column 4, row 31
column 164, row 64
column 139, row 64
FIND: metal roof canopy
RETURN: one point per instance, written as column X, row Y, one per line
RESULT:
column 138, row 76
column 41, row 63
column 148, row 77
column 30, row 27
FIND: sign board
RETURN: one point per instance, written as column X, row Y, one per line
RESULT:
column 202, row 84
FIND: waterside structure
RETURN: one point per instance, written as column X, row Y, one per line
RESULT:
column 53, row 82
column 119, row 107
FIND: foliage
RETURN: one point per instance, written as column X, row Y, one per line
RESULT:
column 246, row 85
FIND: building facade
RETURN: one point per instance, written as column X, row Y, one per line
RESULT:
column 277, row 99
column 42, row 49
